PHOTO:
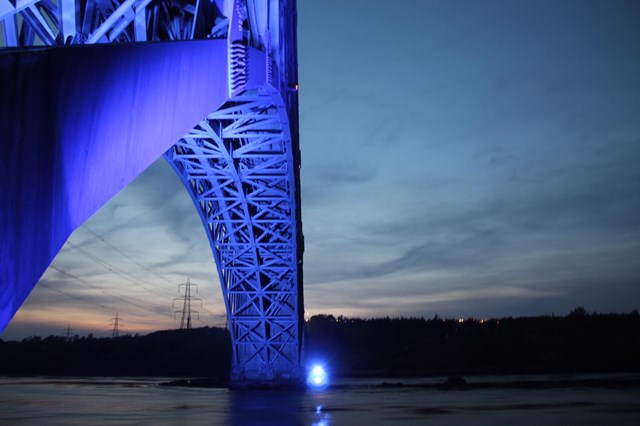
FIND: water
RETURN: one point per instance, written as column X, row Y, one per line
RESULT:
column 117, row 401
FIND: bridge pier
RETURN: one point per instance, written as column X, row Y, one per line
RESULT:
column 268, row 378
column 222, row 110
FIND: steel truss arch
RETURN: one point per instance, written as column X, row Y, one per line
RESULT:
column 237, row 166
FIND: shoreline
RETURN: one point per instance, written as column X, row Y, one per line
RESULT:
column 460, row 383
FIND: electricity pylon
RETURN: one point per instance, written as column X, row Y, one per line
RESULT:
column 185, row 319
column 116, row 326
column 68, row 332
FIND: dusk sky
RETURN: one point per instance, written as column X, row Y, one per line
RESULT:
column 460, row 158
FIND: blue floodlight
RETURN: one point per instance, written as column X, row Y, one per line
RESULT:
column 318, row 379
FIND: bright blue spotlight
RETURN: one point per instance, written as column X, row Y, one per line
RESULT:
column 318, row 379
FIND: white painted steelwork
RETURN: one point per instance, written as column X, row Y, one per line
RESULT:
column 237, row 164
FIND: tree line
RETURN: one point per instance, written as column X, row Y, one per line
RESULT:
column 578, row 342
column 172, row 353
column 352, row 347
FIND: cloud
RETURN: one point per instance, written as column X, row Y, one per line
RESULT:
column 343, row 173
column 477, row 163
column 560, row 236
column 329, row 183
column 158, row 198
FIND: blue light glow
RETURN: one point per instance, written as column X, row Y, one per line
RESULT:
column 318, row 379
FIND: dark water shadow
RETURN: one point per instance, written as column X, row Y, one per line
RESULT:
column 268, row 407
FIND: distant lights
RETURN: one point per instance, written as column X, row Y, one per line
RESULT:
column 318, row 379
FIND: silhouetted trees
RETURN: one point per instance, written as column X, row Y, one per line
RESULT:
column 175, row 353
column 579, row 342
column 403, row 347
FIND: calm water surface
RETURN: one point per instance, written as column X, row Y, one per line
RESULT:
column 117, row 401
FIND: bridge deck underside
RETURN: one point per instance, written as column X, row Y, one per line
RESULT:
column 79, row 124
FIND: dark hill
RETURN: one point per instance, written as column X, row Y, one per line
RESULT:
column 172, row 353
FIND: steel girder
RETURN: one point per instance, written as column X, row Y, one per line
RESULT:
column 240, row 164
column 65, row 22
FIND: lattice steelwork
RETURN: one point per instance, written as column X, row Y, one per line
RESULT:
column 64, row 22
column 240, row 163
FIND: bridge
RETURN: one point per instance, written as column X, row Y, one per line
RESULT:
column 94, row 91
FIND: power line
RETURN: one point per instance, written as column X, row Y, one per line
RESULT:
column 102, row 290
column 82, row 299
column 122, row 273
column 109, row 308
column 101, row 238
column 97, row 287
column 116, row 270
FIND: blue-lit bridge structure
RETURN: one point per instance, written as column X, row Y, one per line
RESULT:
column 94, row 91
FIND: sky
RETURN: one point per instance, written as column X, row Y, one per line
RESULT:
column 460, row 158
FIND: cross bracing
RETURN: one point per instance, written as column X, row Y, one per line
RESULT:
column 253, row 23
column 65, row 22
column 237, row 166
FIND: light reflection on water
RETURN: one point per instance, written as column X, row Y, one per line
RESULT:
column 101, row 401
